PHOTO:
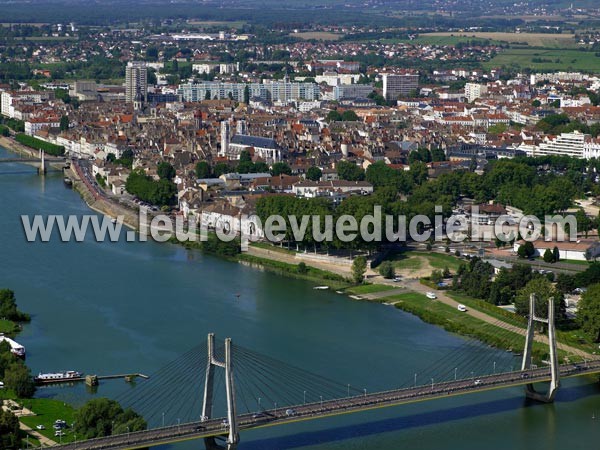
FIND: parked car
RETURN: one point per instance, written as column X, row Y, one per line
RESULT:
column 40, row 427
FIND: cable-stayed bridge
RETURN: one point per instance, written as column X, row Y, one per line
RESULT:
column 217, row 390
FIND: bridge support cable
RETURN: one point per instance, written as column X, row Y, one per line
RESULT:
column 530, row 391
column 460, row 356
column 489, row 357
column 279, row 382
column 162, row 398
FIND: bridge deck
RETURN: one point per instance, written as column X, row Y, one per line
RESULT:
column 215, row 427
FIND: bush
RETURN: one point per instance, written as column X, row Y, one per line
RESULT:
column 302, row 268
column 387, row 270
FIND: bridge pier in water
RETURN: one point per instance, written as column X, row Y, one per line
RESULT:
column 530, row 391
column 42, row 168
column 233, row 436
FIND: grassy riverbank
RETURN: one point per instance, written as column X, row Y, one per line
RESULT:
column 454, row 321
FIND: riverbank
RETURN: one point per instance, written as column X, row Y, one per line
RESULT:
column 324, row 271
column 15, row 147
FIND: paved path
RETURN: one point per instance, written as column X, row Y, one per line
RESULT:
column 24, row 412
column 46, row 442
column 339, row 269
column 401, row 288
column 415, row 286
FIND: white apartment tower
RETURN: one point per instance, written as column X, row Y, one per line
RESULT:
column 225, row 136
column 136, row 81
column 473, row 91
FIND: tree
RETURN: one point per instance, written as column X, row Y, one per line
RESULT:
column 548, row 256
column 387, row 270
column 8, row 307
column 359, row 268
column 555, row 254
column 64, row 123
column 526, row 250
column 333, row 116
column 18, row 378
column 588, row 315
column 543, row 290
column 314, row 173
column 103, row 417
column 10, row 435
column 246, row 94
column 281, row 168
column 202, row 169
column 165, row 171
column 349, row 116
column 349, row 171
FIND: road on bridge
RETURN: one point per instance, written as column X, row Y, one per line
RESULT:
column 310, row 411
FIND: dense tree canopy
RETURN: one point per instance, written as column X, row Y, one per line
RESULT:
column 588, row 314
column 102, row 417
column 160, row 192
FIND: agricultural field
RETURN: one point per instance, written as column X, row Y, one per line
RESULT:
column 568, row 60
column 216, row 23
column 318, row 35
column 531, row 39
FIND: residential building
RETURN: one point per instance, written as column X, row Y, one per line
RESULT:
column 473, row 91
column 395, row 85
column 136, row 81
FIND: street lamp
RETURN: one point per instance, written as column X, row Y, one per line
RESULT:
column 127, row 434
column 415, row 380
column 455, row 373
column 275, row 408
column 348, row 390
column 305, row 397
column 494, row 367
column 178, row 423
column 163, row 421
column 432, row 385
column 321, row 402
column 472, row 375
column 259, row 403
column 365, row 389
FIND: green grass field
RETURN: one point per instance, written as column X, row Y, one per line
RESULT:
column 546, row 40
column 452, row 320
column 8, row 327
column 368, row 289
column 551, row 59
column 47, row 411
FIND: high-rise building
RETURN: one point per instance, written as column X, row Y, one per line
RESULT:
column 225, row 136
column 396, row 85
column 473, row 91
column 136, row 81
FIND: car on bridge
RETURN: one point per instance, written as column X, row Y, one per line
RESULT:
column 290, row 412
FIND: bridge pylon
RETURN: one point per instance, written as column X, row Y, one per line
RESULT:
column 233, row 436
column 42, row 168
column 530, row 391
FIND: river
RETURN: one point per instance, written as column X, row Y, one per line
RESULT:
column 132, row 307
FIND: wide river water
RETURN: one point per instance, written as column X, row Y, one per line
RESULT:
column 133, row 307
